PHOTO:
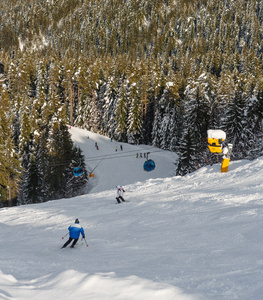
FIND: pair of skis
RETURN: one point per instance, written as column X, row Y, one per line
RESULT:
column 121, row 201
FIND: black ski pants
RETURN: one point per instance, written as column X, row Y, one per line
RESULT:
column 69, row 241
column 119, row 199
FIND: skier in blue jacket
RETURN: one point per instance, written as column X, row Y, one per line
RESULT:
column 74, row 232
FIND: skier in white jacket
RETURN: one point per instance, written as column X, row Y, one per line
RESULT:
column 120, row 191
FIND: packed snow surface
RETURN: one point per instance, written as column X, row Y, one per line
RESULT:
column 216, row 134
column 178, row 238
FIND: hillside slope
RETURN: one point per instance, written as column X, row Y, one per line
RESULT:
column 112, row 168
column 194, row 237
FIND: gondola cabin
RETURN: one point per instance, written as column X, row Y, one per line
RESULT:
column 78, row 171
column 149, row 165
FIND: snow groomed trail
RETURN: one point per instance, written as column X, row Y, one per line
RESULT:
column 112, row 168
column 194, row 237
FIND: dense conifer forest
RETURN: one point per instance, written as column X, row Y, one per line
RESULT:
column 139, row 71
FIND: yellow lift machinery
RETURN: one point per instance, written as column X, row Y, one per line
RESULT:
column 216, row 144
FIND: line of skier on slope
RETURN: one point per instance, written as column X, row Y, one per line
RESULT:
column 116, row 149
column 75, row 230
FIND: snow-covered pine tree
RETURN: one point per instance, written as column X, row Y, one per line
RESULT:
column 254, row 107
column 175, row 133
column 121, row 111
column 158, row 110
column 134, row 132
column 147, row 94
column 168, row 103
column 60, row 147
column 35, row 186
column 187, row 162
column 235, row 123
column 156, row 138
column 43, row 166
column 31, row 187
column 25, row 139
column 257, row 107
column 92, row 112
column 100, row 103
column 109, row 121
column 196, row 123
column 10, row 170
column 84, row 117
column 62, row 160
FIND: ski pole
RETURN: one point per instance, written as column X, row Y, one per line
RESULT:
column 86, row 242
column 64, row 236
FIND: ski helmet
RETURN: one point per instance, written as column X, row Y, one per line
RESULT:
column 77, row 221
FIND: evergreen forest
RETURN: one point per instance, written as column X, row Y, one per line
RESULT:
column 158, row 72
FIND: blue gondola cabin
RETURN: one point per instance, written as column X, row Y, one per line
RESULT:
column 78, row 171
column 149, row 165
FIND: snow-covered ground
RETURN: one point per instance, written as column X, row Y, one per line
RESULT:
column 186, row 238
column 112, row 168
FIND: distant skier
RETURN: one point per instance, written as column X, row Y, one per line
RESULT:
column 116, row 149
column 74, row 232
column 120, row 191
column 121, row 147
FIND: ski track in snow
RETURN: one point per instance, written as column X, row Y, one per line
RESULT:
column 193, row 237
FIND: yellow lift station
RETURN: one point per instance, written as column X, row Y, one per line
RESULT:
column 216, row 144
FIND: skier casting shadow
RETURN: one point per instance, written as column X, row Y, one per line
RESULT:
column 120, row 191
column 74, row 232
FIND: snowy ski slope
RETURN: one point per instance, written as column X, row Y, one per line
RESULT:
column 194, row 237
